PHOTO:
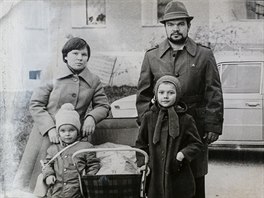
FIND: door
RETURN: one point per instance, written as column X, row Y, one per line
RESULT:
column 243, row 101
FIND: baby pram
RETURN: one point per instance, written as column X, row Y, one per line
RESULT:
column 112, row 186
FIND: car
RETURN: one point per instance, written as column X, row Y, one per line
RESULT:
column 243, row 89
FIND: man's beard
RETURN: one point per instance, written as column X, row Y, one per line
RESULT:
column 178, row 41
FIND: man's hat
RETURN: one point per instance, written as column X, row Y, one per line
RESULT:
column 175, row 10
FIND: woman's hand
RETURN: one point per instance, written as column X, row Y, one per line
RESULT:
column 50, row 180
column 88, row 126
column 53, row 136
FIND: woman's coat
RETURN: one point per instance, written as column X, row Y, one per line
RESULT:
column 87, row 95
column 165, row 181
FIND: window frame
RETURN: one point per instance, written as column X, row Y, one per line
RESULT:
column 240, row 18
column 149, row 13
column 34, row 74
column 255, row 13
column 79, row 15
column 243, row 63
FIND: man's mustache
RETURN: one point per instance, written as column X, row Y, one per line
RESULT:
column 176, row 33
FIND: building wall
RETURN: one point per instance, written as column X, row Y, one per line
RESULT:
column 37, row 42
column 228, row 19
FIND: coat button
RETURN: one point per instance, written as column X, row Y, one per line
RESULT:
column 177, row 75
column 74, row 95
column 75, row 79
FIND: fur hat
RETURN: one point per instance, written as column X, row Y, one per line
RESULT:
column 170, row 79
column 67, row 115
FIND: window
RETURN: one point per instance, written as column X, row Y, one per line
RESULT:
column 34, row 75
column 95, row 12
column 87, row 13
column 248, row 9
column 152, row 11
column 241, row 78
column 255, row 9
column 161, row 7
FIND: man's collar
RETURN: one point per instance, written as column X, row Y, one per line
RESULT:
column 190, row 46
column 164, row 47
column 64, row 71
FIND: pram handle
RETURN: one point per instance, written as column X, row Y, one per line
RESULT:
column 146, row 159
column 110, row 149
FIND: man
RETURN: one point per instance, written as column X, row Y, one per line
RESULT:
column 196, row 69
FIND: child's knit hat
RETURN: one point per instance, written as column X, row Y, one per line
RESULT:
column 173, row 119
column 170, row 79
column 67, row 115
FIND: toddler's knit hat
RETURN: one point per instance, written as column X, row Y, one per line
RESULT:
column 170, row 79
column 67, row 115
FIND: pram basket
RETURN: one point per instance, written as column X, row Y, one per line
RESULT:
column 112, row 186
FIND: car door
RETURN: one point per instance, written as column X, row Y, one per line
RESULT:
column 243, row 102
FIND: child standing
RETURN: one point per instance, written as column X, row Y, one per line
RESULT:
column 171, row 139
column 61, row 175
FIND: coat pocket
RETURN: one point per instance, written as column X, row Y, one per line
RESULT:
column 176, row 166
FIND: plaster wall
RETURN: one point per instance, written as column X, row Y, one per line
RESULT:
column 38, row 48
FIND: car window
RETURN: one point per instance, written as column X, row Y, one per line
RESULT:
column 240, row 77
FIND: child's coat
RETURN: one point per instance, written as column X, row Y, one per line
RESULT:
column 67, row 183
column 165, row 181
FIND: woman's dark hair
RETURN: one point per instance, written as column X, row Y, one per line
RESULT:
column 74, row 43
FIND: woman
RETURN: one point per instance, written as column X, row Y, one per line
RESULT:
column 74, row 84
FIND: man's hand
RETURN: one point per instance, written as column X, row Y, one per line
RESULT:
column 50, row 180
column 211, row 137
column 53, row 136
column 88, row 126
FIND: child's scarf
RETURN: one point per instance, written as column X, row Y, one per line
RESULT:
column 173, row 121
